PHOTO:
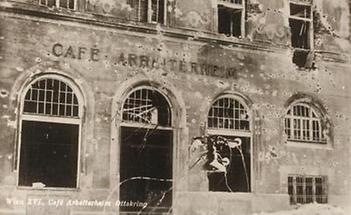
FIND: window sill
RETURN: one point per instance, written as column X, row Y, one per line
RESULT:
column 58, row 189
column 302, row 49
column 310, row 145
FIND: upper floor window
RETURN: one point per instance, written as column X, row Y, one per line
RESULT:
column 301, row 24
column 152, row 11
column 50, row 134
column 303, row 123
column 68, row 4
column 231, row 17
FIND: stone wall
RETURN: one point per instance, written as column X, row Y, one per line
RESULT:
column 106, row 62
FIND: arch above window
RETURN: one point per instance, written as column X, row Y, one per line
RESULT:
column 229, row 113
column 303, row 122
column 146, row 105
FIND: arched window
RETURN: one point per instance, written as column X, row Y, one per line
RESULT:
column 147, row 106
column 146, row 151
column 303, row 123
column 229, row 113
column 229, row 117
column 51, row 116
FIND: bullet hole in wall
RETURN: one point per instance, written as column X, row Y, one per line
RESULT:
column 4, row 93
column 38, row 59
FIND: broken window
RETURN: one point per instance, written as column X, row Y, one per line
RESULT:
column 231, row 15
column 229, row 118
column 307, row 189
column 50, row 127
column 301, row 24
column 68, row 4
column 229, row 114
column 146, row 152
column 303, row 123
column 152, row 11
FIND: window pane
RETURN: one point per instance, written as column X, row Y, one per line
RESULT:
column 62, row 110
column 41, row 108
column 160, row 12
column 300, row 31
column 288, row 127
column 297, row 129
column 142, row 10
column 51, row 3
column 302, row 11
column 30, row 107
column 75, row 110
column 63, row 3
column 309, row 189
column 48, row 109
column 291, row 189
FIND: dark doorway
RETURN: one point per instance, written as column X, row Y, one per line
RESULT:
column 146, row 170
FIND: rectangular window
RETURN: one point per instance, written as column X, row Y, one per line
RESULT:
column 231, row 17
column 301, row 25
column 151, row 11
column 237, row 176
column 307, row 189
column 49, row 154
column 68, row 4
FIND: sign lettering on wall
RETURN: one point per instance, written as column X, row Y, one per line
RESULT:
column 145, row 61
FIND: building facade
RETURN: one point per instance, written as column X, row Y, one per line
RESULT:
column 173, row 106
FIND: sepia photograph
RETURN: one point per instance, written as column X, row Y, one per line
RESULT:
column 175, row 107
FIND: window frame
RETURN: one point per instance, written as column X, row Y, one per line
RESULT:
column 146, row 125
column 51, row 119
column 233, row 6
column 237, row 133
column 150, row 12
column 312, row 110
column 294, row 197
column 57, row 4
column 229, row 131
column 138, row 7
column 304, row 19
